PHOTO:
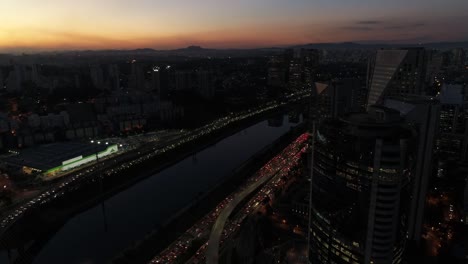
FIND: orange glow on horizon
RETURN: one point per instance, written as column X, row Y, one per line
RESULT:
column 127, row 24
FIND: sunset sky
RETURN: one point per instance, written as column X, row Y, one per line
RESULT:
column 102, row 24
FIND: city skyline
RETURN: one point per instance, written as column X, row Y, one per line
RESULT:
column 123, row 24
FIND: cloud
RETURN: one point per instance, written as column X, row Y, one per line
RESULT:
column 357, row 28
column 374, row 25
column 399, row 39
column 369, row 22
column 405, row 26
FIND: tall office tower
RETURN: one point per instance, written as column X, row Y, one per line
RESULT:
column 397, row 72
column 458, row 57
column 156, row 81
column 295, row 74
column 453, row 135
column 310, row 61
column 166, row 75
column 16, row 78
column 351, row 95
column 435, row 60
column 322, row 103
column 359, row 189
column 35, row 75
column 465, row 206
column 338, row 97
column 113, row 77
column 205, row 81
column 311, row 57
column 276, row 72
column 137, row 77
column 97, row 77
column 2, row 82
column 183, row 81
column 422, row 113
column 288, row 55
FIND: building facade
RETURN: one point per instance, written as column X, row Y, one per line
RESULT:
column 422, row 113
column 453, row 134
column 396, row 72
column 359, row 189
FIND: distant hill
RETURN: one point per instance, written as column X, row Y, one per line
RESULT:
column 197, row 51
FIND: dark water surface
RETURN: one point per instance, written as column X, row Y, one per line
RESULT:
column 99, row 233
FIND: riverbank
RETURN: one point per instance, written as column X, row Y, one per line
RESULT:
column 144, row 250
column 98, row 189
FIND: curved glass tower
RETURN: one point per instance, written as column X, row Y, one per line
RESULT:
column 360, row 189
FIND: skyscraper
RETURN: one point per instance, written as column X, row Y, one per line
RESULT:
column 97, row 76
column 338, row 97
column 16, row 78
column 295, row 80
column 205, row 84
column 137, row 77
column 323, row 103
column 458, row 57
column 113, row 80
column 276, row 72
column 183, row 80
column 310, row 60
column 359, row 189
column 423, row 114
column 453, row 137
column 397, row 72
column 1, row 80
column 166, row 76
column 35, row 74
column 156, row 81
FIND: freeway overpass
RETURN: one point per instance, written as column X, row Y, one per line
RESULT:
column 212, row 252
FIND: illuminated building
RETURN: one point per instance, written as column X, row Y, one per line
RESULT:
column 276, row 72
column 302, row 66
column 295, row 73
column 453, row 135
column 55, row 158
column 360, row 189
column 160, row 81
column 397, row 72
column 310, row 60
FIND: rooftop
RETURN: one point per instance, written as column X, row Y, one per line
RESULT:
column 52, row 155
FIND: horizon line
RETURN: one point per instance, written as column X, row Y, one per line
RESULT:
column 32, row 51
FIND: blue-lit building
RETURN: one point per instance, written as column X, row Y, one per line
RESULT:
column 52, row 159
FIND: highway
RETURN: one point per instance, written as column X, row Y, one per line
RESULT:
column 215, row 221
column 218, row 227
column 134, row 157
column 278, row 169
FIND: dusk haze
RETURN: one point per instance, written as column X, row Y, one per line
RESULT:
column 233, row 131
column 126, row 24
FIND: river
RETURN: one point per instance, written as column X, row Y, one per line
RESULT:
column 99, row 233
